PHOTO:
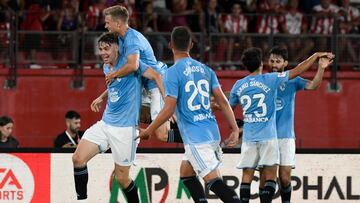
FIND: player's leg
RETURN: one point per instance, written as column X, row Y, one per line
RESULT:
column 287, row 162
column 90, row 145
column 249, row 159
column 261, row 184
column 269, row 161
column 123, row 149
column 285, row 183
column 163, row 133
column 192, row 183
column 206, row 158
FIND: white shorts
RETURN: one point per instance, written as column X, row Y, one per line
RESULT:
column 287, row 152
column 204, row 158
column 119, row 139
column 259, row 154
column 153, row 99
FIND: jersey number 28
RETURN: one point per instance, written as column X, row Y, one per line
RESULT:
column 202, row 88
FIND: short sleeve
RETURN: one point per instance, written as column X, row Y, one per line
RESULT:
column 233, row 100
column 143, row 67
column 300, row 83
column 171, row 84
column 214, row 81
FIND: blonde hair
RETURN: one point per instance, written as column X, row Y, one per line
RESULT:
column 117, row 13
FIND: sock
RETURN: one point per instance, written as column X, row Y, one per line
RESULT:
column 269, row 191
column 223, row 191
column 174, row 136
column 81, row 179
column 286, row 194
column 245, row 192
column 131, row 193
column 261, row 194
column 195, row 188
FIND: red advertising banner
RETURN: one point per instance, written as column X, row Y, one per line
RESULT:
column 24, row 178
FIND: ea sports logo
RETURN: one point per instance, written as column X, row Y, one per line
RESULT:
column 16, row 180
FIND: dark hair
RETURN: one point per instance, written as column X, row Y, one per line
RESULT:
column 117, row 13
column 280, row 51
column 72, row 114
column 4, row 120
column 251, row 58
column 181, row 38
column 108, row 38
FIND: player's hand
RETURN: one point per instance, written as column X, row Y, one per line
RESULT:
column 143, row 134
column 325, row 54
column 96, row 104
column 324, row 62
column 109, row 78
column 233, row 139
column 173, row 118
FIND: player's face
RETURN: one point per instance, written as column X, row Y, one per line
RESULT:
column 111, row 25
column 277, row 63
column 73, row 125
column 108, row 52
column 6, row 130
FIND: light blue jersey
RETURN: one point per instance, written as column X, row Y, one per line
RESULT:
column 257, row 94
column 191, row 83
column 124, row 98
column 135, row 43
column 285, row 106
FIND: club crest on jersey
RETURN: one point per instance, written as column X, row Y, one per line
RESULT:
column 282, row 87
column 113, row 95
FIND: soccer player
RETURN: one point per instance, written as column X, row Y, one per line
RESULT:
column 188, row 86
column 118, row 126
column 285, row 104
column 137, row 48
column 256, row 93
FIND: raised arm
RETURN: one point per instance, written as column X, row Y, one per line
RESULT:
column 131, row 65
column 151, row 74
column 324, row 62
column 305, row 65
column 229, row 115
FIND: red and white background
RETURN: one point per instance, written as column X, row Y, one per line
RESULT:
column 45, row 177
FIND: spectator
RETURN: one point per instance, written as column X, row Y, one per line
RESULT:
column 6, row 128
column 349, row 22
column 72, row 135
column 236, row 23
column 323, row 22
column 296, row 24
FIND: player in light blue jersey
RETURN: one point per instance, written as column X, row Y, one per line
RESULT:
column 188, row 86
column 256, row 94
column 118, row 126
column 135, row 48
column 285, row 104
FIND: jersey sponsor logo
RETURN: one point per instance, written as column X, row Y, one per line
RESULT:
column 200, row 117
column 113, row 95
column 250, row 119
column 280, row 103
column 16, row 180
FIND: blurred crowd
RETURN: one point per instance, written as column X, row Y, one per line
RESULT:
column 201, row 16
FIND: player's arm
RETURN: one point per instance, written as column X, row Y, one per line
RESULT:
column 166, row 112
column 305, row 65
column 229, row 115
column 151, row 74
column 131, row 65
column 96, row 104
column 324, row 62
